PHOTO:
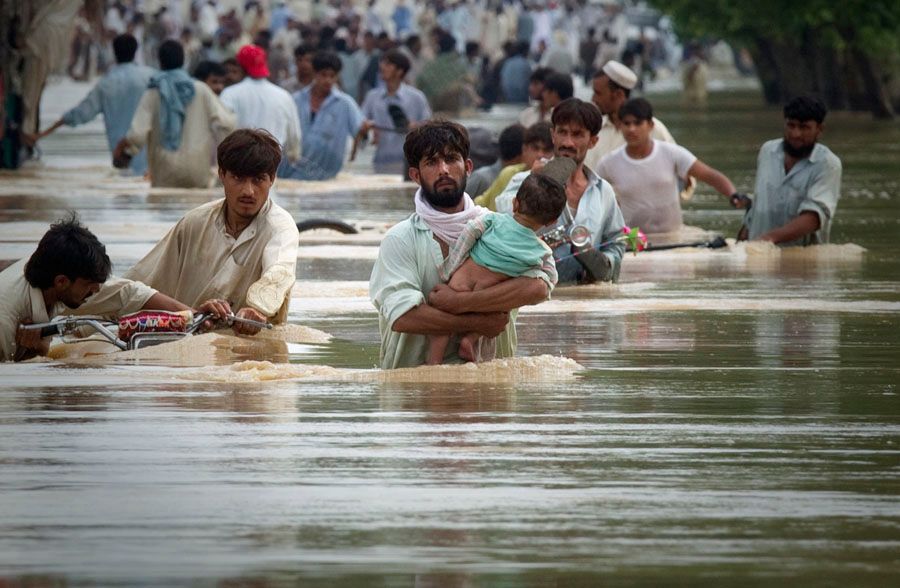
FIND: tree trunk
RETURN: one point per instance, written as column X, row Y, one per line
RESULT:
column 876, row 92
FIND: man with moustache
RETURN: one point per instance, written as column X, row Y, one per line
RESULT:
column 591, row 201
column 239, row 251
column 798, row 181
column 405, row 287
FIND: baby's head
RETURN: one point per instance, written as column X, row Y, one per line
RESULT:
column 541, row 198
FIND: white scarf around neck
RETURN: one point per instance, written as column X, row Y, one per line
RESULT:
column 447, row 226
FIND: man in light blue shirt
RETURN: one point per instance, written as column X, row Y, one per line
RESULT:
column 514, row 75
column 116, row 95
column 328, row 118
column 798, row 181
column 377, row 108
column 591, row 199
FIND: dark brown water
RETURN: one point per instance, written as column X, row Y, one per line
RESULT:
column 737, row 422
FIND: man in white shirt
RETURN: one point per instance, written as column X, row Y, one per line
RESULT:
column 260, row 104
column 612, row 87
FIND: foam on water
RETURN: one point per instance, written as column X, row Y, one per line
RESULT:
column 543, row 368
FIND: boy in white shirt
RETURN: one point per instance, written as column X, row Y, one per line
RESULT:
column 644, row 173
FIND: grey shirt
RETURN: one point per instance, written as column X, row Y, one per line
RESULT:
column 813, row 184
column 482, row 178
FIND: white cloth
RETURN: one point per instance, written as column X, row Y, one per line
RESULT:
column 260, row 104
column 610, row 138
column 206, row 122
column 447, row 227
column 647, row 189
column 532, row 115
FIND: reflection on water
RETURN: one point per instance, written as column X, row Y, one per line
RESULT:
column 735, row 422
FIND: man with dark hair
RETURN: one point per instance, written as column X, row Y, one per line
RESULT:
column 304, row 71
column 234, row 73
column 510, row 143
column 645, row 173
column 591, row 201
column 798, row 181
column 557, row 87
column 328, row 117
column 241, row 249
column 514, row 75
column 116, row 95
column 536, row 112
column 69, row 267
column 383, row 107
column 537, row 144
column 179, row 119
column 405, row 287
column 260, row 104
column 445, row 80
column 211, row 73
column 612, row 87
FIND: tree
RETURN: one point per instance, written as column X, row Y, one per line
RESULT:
column 846, row 51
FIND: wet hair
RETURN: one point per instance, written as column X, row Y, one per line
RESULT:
column 613, row 86
column 304, row 49
column 541, row 198
column 323, row 60
column 67, row 249
column 171, row 55
column 249, row 153
column 540, row 74
column 539, row 133
column 579, row 112
column 510, row 141
column 205, row 69
column 124, row 48
column 397, row 58
column 446, row 42
column 436, row 137
column 560, row 83
column 639, row 108
column 804, row 108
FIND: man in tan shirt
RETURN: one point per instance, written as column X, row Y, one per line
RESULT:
column 180, row 120
column 240, row 250
column 69, row 268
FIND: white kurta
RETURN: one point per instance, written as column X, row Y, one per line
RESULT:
column 206, row 123
column 260, row 104
column 198, row 260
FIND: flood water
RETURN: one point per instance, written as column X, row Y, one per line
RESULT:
column 736, row 420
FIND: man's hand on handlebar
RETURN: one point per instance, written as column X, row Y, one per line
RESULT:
column 241, row 328
column 29, row 342
column 220, row 309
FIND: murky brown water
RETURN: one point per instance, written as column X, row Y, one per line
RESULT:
column 736, row 421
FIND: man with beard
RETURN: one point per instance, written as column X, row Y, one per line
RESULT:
column 68, row 267
column 405, row 287
column 590, row 200
column 798, row 181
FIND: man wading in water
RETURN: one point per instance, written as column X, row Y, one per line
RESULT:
column 405, row 288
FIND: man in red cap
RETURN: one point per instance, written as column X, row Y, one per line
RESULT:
column 260, row 104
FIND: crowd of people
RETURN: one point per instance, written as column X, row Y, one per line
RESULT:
column 597, row 165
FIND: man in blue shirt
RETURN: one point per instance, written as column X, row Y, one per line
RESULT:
column 116, row 95
column 397, row 94
column 798, row 181
column 515, row 74
column 328, row 118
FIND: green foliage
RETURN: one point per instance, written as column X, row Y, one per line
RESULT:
column 870, row 25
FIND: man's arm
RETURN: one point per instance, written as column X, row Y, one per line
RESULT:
column 805, row 223
column 428, row 320
column 713, row 177
column 502, row 297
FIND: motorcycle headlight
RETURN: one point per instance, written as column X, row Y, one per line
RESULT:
column 579, row 236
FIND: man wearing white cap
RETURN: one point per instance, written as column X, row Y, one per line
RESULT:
column 612, row 87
